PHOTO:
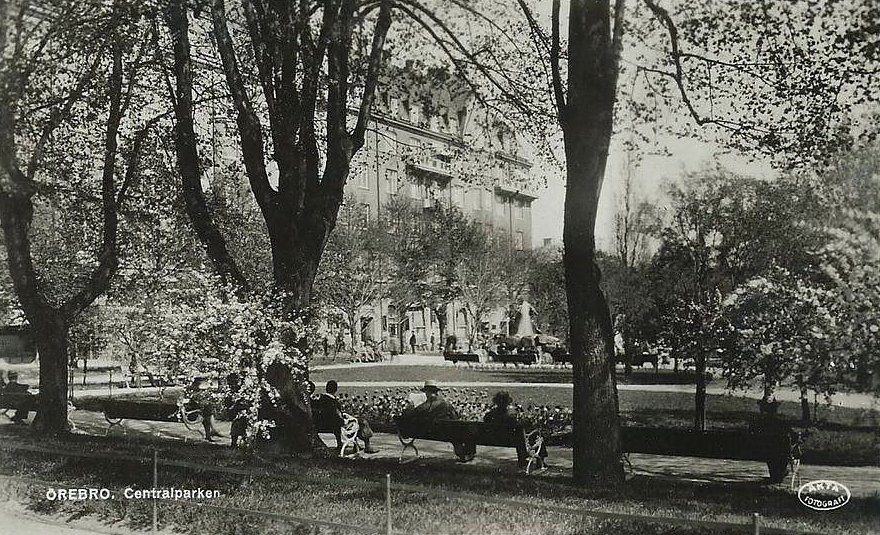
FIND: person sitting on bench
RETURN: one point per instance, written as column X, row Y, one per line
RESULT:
column 236, row 409
column 200, row 395
column 14, row 387
column 500, row 414
column 327, row 406
column 437, row 408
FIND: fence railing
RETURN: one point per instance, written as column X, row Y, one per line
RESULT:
column 751, row 525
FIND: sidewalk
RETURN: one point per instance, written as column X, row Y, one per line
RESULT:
column 863, row 481
column 403, row 359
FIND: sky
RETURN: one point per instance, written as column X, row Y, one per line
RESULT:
column 652, row 177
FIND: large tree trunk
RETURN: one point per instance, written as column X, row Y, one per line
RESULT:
column 52, row 336
column 587, row 121
column 48, row 326
column 295, row 262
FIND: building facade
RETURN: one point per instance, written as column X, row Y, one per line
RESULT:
column 443, row 151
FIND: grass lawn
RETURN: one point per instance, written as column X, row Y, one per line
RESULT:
column 358, row 501
column 509, row 374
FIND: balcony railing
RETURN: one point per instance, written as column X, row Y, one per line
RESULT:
column 432, row 165
column 514, row 181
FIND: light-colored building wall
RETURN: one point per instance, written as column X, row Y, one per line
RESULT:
column 423, row 158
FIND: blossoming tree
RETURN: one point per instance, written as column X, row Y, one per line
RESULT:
column 784, row 328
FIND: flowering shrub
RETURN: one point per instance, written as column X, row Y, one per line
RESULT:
column 382, row 406
column 208, row 329
column 783, row 327
column 851, row 261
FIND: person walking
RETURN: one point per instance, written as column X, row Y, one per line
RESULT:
column 432, row 341
column 412, row 341
column 340, row 343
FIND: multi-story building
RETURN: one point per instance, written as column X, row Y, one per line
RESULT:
column 440, row 149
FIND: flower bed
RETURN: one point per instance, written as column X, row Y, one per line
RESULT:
column 383, row 405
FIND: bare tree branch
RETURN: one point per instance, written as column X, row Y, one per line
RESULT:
column 374, row 66
column 58, row 117
column 249, row 127
column 558, row 90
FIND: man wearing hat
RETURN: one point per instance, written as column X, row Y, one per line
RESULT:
column 21, row 390
column 437, row 408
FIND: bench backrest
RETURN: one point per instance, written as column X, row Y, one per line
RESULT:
column 18, row 400
column 741, row 445
column 326, row 421
column 138, row 410
column 462, row 431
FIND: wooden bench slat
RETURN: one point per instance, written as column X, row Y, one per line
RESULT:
column 19, row 400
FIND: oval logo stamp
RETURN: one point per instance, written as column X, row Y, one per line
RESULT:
column 823, row 494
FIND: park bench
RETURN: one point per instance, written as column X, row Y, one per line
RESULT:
column 523, row 357
column 10, row 402
column 456, row 356
column 479, row 433
column 326, row 422
column 117, row 411
column 778, row 450
column 560, row 355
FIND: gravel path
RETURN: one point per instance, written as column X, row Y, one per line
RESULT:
column 863, row 481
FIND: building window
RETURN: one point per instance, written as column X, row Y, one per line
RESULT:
column 520, row 209
column 518, row 240
column 415, row 191
column 364, row 180
column 487, row 200
column 363, row 216
column 458, row 196
column 391, row 181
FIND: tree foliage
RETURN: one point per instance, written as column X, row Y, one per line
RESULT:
column 782, row 328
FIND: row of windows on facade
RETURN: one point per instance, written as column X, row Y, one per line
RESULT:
column 482, row 198
column 360, row 216
column 440, row 120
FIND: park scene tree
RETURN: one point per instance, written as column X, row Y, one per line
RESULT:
column 199, row 199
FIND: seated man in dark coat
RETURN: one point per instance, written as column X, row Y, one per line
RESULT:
column 20, row 390
column 437, row 408
column 500, row 414
column 326, row 407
